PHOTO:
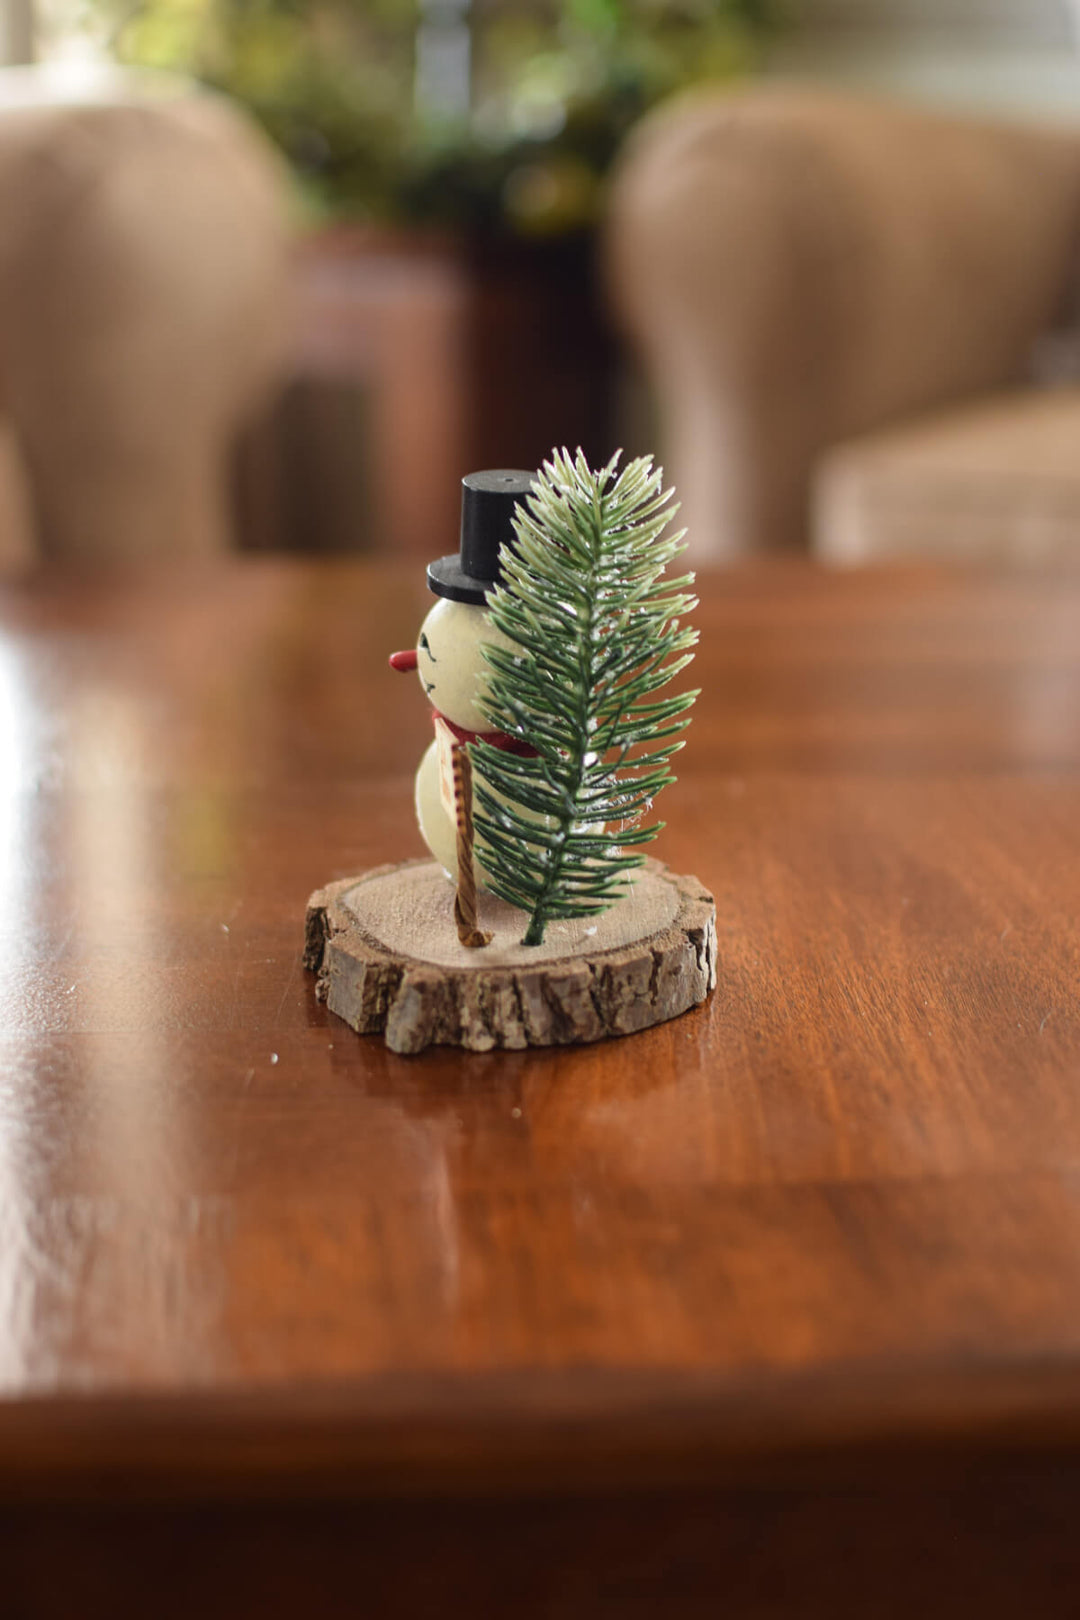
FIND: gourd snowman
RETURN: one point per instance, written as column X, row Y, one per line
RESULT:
column 451, row 666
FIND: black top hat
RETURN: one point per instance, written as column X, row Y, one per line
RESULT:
column 488, row 502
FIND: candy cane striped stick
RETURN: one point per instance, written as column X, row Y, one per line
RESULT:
column 465, row 899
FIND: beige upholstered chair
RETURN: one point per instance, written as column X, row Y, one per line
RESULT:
column 143, row 260
column 837, row 302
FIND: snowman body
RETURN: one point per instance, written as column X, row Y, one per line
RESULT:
column 453, row 672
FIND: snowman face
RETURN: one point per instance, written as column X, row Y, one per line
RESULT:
column 450, row 664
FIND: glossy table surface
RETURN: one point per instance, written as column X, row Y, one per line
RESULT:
column 837, row 1207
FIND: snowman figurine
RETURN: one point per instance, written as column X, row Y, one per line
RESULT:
column 453, row 673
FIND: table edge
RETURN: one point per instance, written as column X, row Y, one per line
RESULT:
column 581, row 1429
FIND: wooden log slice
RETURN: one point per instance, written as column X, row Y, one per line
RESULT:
column 387, row 957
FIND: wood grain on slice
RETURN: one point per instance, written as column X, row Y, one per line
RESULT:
column 388, row 959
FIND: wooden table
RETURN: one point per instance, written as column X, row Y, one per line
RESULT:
column 773, row 1310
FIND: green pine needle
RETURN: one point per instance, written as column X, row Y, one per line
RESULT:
column 597, row 633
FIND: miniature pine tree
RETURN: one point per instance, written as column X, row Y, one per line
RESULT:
column 596, row 633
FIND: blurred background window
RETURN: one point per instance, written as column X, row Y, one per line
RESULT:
column 491, row 115
column 478, row 113
column 453, row 163
column 999, row 55
column 450, row 159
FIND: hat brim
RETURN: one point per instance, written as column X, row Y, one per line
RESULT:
column 446, row 577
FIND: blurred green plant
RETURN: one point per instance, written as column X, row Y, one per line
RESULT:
column 556, row 84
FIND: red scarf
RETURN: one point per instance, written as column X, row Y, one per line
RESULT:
column 406, row 660
column 496, row 739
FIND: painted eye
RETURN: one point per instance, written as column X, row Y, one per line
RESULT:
column 425, row 646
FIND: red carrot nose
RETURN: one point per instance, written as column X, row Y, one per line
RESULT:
column 403, row 660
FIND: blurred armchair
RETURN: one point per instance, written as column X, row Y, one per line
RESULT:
column 143, row 273
column 837, row 302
